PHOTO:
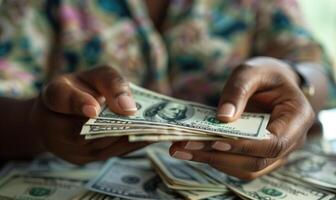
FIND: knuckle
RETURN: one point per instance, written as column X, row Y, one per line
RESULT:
column 245, row 149
column 258, row 164
column 113, row 75
column 238, row 90
column 277, row 147
column 54, row 91
column 275, row 79
column 211, row 159
column 120, row 81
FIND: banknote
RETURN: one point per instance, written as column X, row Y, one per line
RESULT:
column 154, row 135
column 90, row 195
column 132, row 179
column 152, row 174
column 179, row 175
column 47, row 164
column 160, row 110
column 98, row 128
column 128, row 130
column 269, row 187
column 312, row 168
column 156, row 138
column 20, row 185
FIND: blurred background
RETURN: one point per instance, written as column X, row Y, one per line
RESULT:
column 321, row 17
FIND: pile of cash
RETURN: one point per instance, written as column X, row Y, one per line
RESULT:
column 162, row 118
column 151, row 174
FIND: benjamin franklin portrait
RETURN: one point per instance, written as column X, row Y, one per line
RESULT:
column 168, row 112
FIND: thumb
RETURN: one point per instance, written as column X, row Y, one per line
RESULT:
column 242, row 84
column 114, row 87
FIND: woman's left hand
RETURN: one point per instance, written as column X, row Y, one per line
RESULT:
column 260, row 85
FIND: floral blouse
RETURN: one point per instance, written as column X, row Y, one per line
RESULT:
column 200, row 43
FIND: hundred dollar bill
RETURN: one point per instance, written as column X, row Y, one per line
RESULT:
column 127, row 130
column 154, row 108
column 157, row 138
column 98, row 126
column 269, row 187
column 190, row 192
column 197, row 195
column 177, row 174
column 18, row 185
column 226, row 196
column 89, row 195
column 152, row 135
column 190, row 195
column 131, row 179
column 312, row 168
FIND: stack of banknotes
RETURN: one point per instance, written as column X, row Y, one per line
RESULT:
column 151, row 174
column 162, row 118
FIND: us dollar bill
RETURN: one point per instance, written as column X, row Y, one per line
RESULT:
column 312, row 168
column 177, row 174
column 128, row 130
column 269, row 187
column 154, row 108
column 18, row 185
column 90, row 195
column 157, row 138
column 131, row 179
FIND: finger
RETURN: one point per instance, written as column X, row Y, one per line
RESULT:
column 247, row 175
column 103, row 143
column 113, row 86
column 78, row 159
column 120, row 148
column 270, row 148
column 242, row 84
column 63, row 95
column 245, row 163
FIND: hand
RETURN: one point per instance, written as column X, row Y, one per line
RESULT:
column 260, row 84
column 64, row 105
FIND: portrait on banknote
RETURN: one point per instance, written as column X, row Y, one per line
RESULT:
column 168, row 111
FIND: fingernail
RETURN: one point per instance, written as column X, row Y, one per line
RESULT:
column 182, row 155
column 221, row 146
column 226, row 110
column 126, row 103
column 90, row 111
column 192, row 145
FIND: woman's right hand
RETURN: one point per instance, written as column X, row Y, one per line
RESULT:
column 67, row 101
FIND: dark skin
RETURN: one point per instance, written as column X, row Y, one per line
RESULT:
column 52, row 121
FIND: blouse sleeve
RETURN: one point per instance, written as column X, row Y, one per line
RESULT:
column 281, row 33
column 24, row 43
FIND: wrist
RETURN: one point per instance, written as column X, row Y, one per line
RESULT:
column 26, row 107
column 17, row 136
column 305, row 84
column 294, row 73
